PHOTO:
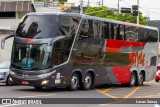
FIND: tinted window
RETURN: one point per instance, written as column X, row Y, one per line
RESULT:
column 147, row 35
column 86, row 30
column 105, row 30
column 68, row 26
column 131, row 33
column 38, row 26
column 47, row 26
column 61, row 50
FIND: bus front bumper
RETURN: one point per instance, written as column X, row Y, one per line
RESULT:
column 32, row 80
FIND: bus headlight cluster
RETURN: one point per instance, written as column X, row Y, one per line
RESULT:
column 47, row 74
column 45, row 82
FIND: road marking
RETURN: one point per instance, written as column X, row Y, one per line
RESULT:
column 107, row 90
column 106, row 94
column 132, row 92
column 36, row 96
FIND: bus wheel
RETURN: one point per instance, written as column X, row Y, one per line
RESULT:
column 140, row 79
column 132, row 81
column 8, row 82
column 88, row 80
column 74, row 82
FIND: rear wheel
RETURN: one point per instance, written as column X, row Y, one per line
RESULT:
column 88, row 82
column 132, row 81
column 140, row 79
column 74, row 82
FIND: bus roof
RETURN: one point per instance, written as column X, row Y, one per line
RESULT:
column 92, row 17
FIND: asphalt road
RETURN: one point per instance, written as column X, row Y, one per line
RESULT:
column 149, row 90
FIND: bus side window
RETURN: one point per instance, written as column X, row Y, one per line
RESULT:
column 86, row 30
column 61, row 50
column 146, row 35
column 121, row 34
column 131, row 33
column 96, row 27
column 105, row 30
column 112, row 30
column 68, row 26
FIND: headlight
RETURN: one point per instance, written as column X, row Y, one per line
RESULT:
column 11, row 72
column 47, row 74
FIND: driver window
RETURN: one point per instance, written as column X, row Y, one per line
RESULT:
column 61, row 51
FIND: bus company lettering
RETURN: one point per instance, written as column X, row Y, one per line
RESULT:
column 137, row 58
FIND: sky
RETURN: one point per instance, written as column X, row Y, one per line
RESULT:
column 149, row 8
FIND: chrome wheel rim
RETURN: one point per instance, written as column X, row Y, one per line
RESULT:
column 87, row 81
column 140, row 78
column 74, row 81
column 132, row 79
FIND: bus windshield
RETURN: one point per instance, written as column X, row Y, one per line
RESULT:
column 31, row 56
column 47, row 26
column 38, row 26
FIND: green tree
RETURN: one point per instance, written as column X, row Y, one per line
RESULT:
column 62, row 1
column 110, row 14
column 98, row 12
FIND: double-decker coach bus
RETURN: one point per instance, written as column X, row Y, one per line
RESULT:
column 73, row 50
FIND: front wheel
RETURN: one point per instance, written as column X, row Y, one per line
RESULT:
column 74, row 82
column 132, row 81
column 88, row 82
column 8, row 82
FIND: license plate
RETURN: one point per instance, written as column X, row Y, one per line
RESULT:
column 25, row 82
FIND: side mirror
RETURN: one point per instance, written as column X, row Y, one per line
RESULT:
column 4, row 39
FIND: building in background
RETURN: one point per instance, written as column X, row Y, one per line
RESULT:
column 65, row 6
column 11, row 12
column 47, row 6
column 74, row 9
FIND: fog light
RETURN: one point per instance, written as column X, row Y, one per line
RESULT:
column 10, row 79
column 45, row 82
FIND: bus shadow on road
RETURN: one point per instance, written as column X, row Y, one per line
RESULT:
column 43, row 90
column 63, row 89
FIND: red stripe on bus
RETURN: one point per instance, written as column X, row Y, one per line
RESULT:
column 115, row 45
column 122, row 74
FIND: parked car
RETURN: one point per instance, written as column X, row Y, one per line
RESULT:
column 158, row 73
column 4, row 72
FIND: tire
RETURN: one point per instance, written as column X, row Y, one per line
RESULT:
column 8, row 82
column 88, row 82
column 132, row 81
column 74, row 82
column 157, row 80
column 140, row 79
column 38, row 88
